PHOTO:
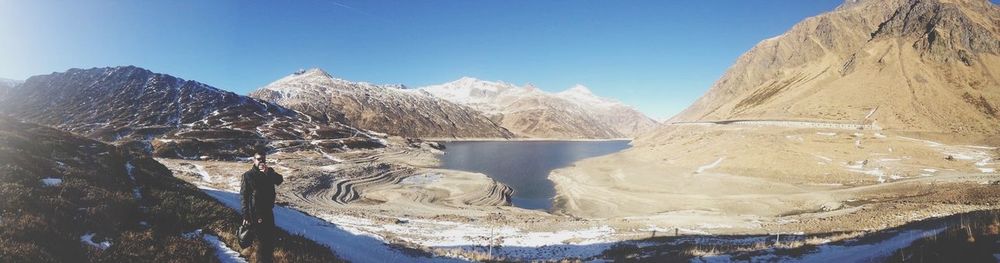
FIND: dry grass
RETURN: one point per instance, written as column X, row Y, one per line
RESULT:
column 971, row 238
column 41, row 223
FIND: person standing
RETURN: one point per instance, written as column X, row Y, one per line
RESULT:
column 257, row 196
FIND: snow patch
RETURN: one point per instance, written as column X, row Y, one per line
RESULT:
column 89, row 240
column 824, row 158
column 200, row 170
column 349, row 246
column 222, row 252
column 51, row 181
column 421, row 179
column 702, row 168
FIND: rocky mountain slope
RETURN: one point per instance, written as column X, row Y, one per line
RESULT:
column 391, row 109
column 926, row 65
column 574, row 113
column 172, row 116
column 66, row 198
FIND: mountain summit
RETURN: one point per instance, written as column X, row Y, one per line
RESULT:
column 925, row 65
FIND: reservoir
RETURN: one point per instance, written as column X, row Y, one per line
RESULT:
column 524, row 165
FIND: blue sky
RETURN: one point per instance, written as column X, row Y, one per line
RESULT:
column 659, row 56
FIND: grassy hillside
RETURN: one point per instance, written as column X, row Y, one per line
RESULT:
column 57, row 189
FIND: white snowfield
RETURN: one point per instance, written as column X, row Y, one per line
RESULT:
column 359, row 240
column 514, row 243
column 222, row 252
column 346, row 245
column 871, row 252
column 50, row 181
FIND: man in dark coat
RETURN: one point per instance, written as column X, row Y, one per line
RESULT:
column 257, row 199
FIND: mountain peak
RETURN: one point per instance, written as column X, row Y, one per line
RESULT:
column 581, row 89
column 468, row 79
column 311, row 72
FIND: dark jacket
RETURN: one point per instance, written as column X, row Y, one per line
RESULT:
column 257, row 193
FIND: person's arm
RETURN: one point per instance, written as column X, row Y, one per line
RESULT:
column 276, row 178
column 246, row 197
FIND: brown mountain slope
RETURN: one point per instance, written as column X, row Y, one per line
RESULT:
column 930, row 68
column 926, row 65
column 382, row 108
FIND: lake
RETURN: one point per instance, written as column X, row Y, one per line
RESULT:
column 524, row 165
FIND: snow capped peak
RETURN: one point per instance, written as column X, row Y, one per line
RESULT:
column 530, row 87
column 311, row 72
column 467, row 79
column 397, row 86
column 472, row 82
column 579, row 89
column 312, row 75
column 317, row 80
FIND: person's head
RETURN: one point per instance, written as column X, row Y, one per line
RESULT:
column 260, row 159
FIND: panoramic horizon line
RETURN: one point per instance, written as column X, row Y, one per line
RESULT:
column 303, row 70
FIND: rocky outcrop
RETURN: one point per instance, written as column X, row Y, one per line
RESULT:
column 174, row 117
column 926, row 65
column 391, row 109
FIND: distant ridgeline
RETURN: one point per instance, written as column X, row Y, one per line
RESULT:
column 171, row 117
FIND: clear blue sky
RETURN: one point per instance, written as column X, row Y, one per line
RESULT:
column 656, row 55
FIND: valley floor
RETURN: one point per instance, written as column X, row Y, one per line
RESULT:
column 394, row 202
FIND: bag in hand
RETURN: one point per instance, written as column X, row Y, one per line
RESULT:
column 245, row 234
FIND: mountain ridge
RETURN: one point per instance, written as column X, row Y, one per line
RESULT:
column 172, row 116
column 864, row 55
column 392, row 109
column 572, row 113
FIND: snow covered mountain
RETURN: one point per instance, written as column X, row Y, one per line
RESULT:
column 391, row 109
column 8, row 84
column 176, row 117
column 528, row 111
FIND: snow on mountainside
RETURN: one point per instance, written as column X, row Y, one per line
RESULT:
column 391, row 109
column 7, row 84
column 528, row 111
column 175, row 117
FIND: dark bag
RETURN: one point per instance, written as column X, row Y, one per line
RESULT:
column 245, row 234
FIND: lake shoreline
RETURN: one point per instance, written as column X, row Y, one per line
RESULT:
column 524, row 165
column 524, row 140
